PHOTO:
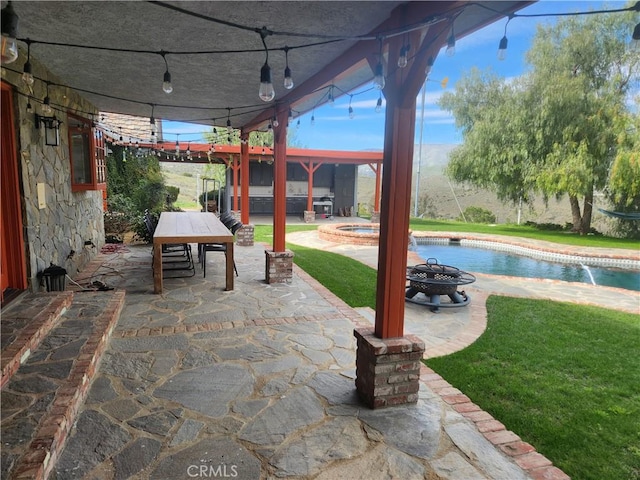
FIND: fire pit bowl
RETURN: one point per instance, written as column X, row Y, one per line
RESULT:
column 428, row 281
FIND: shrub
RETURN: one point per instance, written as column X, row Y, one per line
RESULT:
column 549, row 227
column 213, row 196
column 172, row 194
column 477, row 215
column 119, row 217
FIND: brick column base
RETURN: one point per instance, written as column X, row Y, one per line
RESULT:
column 309, row 216
column 375, row 217
column 387, row 370
column 279, row 266
column 245, row 236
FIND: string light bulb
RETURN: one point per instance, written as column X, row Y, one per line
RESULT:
column 275, row 122
column 351, row 113
column 502, row 48
column 9, row 34
column 229, row 128
column 313, row 120
column 152, row 123
column 402, row 59
column 27, row 76
column 177, row 148
column 429, row 66
column 266, row 91
column 288, row 81
column 378, row 79
column 451, row 44
column 29, row 107
column 166, row 81
column 636, row 34
column 331, row 99
column 46, row 103
column 379, row 104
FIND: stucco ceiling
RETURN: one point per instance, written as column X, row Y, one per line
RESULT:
column 208, row 87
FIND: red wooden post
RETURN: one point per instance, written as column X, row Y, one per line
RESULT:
column 244, row 177
column 235, row 166
column 280, row 181
column 394, row 221
column 377, row 169
column 401, row 89
column 310, row 171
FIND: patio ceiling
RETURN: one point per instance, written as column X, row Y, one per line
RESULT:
column 210, row 87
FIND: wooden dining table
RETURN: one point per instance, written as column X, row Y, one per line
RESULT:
column 190, row 227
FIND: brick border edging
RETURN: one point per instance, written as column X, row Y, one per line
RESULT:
column 524, row 454
column 31, row 336
column 51, row 435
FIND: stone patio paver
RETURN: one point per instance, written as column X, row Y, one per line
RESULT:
column 258, row 383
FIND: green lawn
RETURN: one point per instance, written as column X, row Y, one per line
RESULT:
column 264, row 233
column 565, row 378
column 565, row 238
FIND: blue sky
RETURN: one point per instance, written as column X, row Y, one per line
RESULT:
column 334, row 130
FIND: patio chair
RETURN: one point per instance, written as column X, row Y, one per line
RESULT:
column 178, row 254
column 233, row 225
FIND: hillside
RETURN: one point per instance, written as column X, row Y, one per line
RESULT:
column 188, row 178
column 446, row 199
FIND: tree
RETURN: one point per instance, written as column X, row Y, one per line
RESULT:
column 624, row 178
column 556, row 130
column 137, row 178
column 496, row 154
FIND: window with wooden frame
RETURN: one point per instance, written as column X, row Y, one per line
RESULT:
column 87, row 153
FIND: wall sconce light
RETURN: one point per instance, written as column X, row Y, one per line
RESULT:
column 51, row 129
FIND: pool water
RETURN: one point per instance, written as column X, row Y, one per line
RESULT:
column 481, row 260
column 357, row 229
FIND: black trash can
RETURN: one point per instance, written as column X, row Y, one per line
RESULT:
column 55, row 278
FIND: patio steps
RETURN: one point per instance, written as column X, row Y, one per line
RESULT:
column 53, row 347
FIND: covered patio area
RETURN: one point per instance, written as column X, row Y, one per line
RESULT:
column 258, row 381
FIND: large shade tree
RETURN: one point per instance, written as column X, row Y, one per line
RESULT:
column 561, row 128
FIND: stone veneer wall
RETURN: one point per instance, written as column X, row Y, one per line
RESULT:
column 70, row 218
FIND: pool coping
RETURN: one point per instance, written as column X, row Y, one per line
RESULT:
column 541, row 250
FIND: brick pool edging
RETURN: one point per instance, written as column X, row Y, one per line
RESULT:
column 541, row 251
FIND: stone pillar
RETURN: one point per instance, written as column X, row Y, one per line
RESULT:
column 245, row 236
column 375, row 217
column 387, row 370
column 279, row 266
column 309, row 216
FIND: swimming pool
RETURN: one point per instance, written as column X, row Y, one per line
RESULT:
column 481, row 260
